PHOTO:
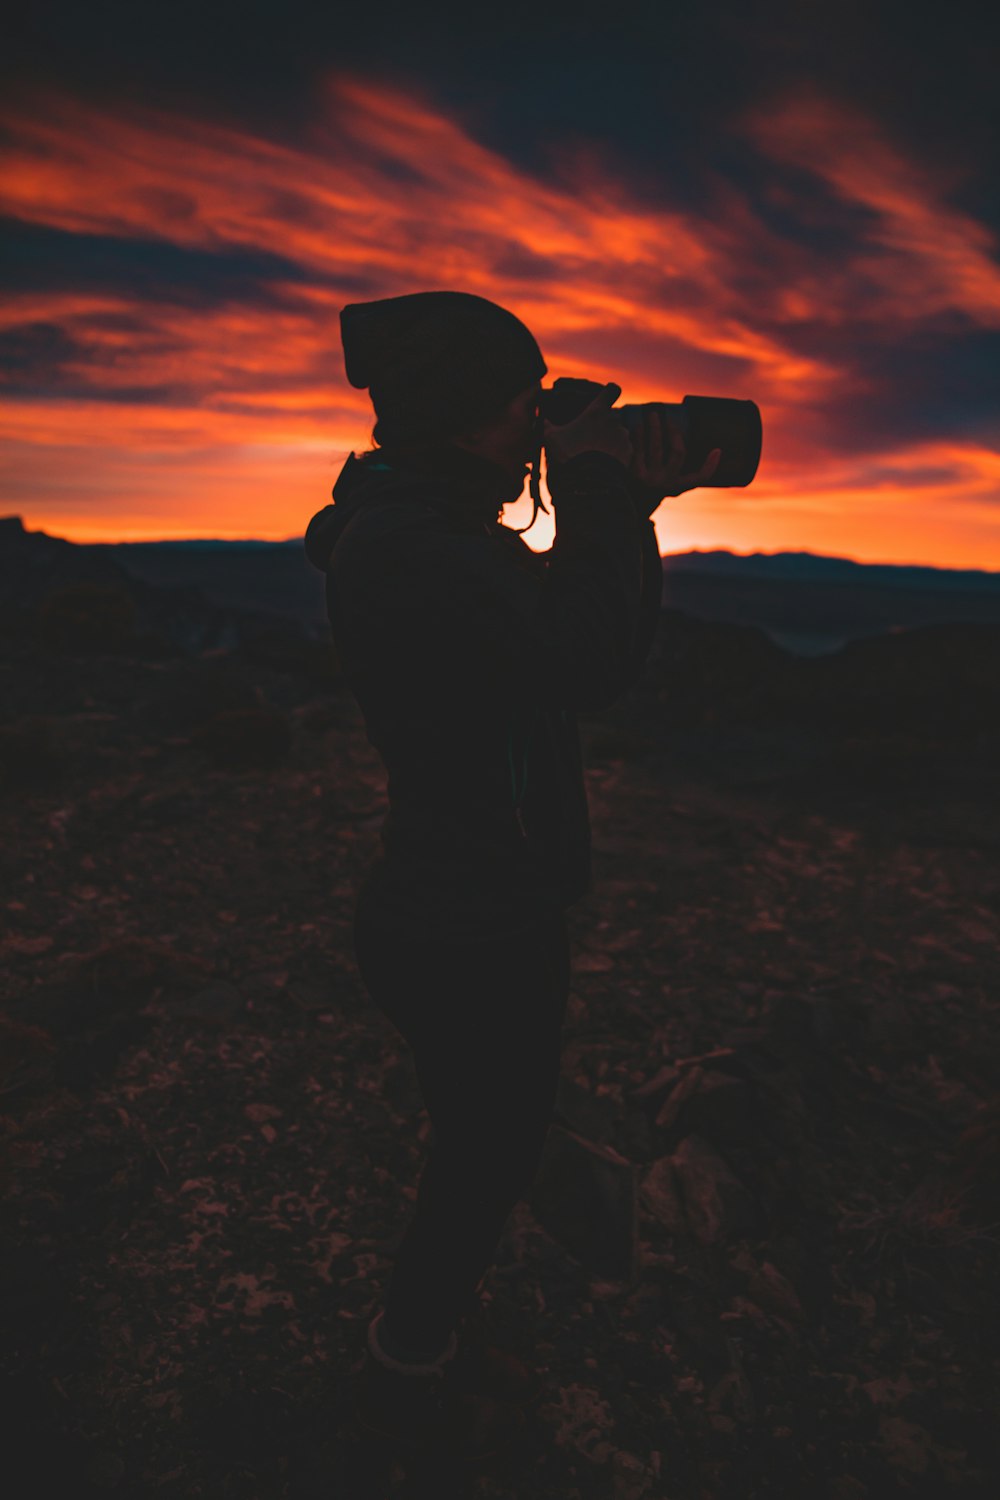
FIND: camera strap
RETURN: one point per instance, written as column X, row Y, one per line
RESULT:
column 535, row 482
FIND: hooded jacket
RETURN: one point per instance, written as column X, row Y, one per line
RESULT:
column 470, row 656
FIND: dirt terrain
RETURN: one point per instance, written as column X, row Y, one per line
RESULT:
column 783, row 1020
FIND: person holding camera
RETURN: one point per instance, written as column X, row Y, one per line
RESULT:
column 470, row 657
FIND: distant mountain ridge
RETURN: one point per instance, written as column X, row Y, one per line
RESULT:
column 808, row 604
column 205, row 544
column 816, row 567
column 792, row 566
column 781, row 566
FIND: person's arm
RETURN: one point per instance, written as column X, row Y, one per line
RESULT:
column 655, row 473
column 445, row 614
column 650, row 604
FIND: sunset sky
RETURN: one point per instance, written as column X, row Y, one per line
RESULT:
column 788, row 202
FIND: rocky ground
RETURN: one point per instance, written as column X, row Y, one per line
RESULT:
column 781, row 1044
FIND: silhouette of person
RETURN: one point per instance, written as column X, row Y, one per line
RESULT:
column 470, row 656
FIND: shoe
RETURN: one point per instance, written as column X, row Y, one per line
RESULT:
column 483, row 1368
column 420, row 1413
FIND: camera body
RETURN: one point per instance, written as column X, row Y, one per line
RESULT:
column 705, row 422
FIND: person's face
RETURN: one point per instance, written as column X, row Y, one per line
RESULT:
column 509, row 441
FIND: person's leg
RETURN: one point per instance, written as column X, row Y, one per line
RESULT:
column 485, row 1027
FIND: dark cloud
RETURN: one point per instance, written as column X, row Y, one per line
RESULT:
column 916, row 388
column 915, row 478
column 66, row 387
column 805, row 212
column 520, row 264
column 33, row 356
column 44, row 360
column 37, row 258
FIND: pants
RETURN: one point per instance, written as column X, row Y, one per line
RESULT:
column 484, row 1023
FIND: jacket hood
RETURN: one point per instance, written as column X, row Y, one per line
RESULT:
column 353, row 486
column 468, row 489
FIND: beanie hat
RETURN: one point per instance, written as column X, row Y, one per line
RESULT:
column 436, row 362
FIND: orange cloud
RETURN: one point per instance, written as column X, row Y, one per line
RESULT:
column 158, row 406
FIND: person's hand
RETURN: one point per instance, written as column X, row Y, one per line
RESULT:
column 596, row 430
column 658, row 457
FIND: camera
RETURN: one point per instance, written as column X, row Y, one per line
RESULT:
column 705, row 422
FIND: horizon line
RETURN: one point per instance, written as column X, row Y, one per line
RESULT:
column 687, row 552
